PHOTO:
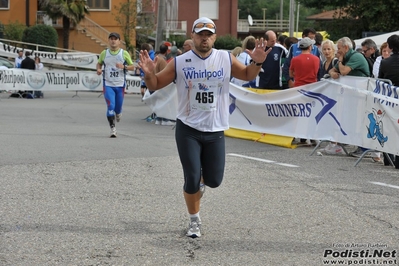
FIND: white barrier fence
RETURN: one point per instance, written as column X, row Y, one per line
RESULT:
column 350, row 110
column 72, row 59
column 58, row 80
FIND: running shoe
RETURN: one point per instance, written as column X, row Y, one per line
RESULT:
column 113, row 132
column 194, row 228
column 118, row 117
column 168, row 123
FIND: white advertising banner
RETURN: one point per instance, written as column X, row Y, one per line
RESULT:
column 58, row 80
column 74, row 59
column 325, row 110
column 163, row 102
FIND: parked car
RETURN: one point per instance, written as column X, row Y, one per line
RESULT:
column 5, row 62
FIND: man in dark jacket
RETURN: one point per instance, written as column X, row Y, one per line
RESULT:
column 28, row 63
column 389, row 69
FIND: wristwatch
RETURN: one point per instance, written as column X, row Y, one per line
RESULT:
column 256, row 64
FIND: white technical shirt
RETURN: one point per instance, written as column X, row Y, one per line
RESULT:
column 113, row 76
column 203, row 90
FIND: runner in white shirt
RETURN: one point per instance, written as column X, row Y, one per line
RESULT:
column 202, row 79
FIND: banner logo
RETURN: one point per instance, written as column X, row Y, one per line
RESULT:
column 375, row 128
column 81, row 60
column 91, row 81
column 36, row 80
column 327, row 104
column 386, row 89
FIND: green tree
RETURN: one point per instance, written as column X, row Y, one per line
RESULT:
column 366, row 15
column 41, row 34
column 14, row 31
column 129, row 15
column 69, row 10
column 126, row 16
column 227, row 42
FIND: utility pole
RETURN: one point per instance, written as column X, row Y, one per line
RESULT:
column 281, row 15
column 160, row 22
column 297, row 18
column 292, row 18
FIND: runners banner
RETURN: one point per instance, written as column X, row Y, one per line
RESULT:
column 74, row 59
column 326, row 110
column 58, row 80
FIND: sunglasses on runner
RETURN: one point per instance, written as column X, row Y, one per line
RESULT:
column 204, row 25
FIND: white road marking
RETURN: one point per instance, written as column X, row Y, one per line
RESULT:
column 385, row 185
column 261, row 160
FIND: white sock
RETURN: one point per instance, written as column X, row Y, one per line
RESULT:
column 195, row 216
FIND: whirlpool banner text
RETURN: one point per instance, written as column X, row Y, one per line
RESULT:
column 58, row 80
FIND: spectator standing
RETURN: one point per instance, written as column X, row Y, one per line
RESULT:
column 148, row 47
column 289, row 41
column 27, row 63
column 38, row 63
column 352, row 63
column 295, row 50
column 281, row 39
column 202, row 114
column 188, row 45
column 38, row 66
column 304, row 68
column 160, row 65
column 370, row 52
column 161, row 62
column 271, row 73
column 174, row 51
column 247, row 44
column 385, row 52
column 389, row 69
column 236, row 51
column 116, row 62
column 19, row 59
column 318, row 41
column 328, row 51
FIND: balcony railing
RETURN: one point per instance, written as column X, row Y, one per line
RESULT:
column 175, row 27
column 260, row 25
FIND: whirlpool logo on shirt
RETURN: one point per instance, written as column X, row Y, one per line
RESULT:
column 191, row 73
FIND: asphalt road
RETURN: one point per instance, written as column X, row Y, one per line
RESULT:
column 70, row 195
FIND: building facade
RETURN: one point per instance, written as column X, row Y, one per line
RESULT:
column 92, row 33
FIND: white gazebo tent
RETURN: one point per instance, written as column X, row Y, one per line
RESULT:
column 378, row 39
